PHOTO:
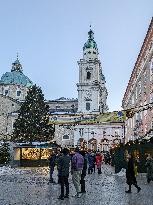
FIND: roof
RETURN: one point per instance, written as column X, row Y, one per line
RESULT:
column 15, row 77
column 90, row 42
column 139, row 58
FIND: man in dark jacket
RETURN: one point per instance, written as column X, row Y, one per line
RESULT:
column 130, row 174
column 63, row 167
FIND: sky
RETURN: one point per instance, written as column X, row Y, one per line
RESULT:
column 49, row 36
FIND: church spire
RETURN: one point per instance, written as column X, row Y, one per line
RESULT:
column 91, row 34
column 16, row 66
column 90, row 42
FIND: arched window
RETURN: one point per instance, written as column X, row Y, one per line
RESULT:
column 88, row 75
column 65, row 137
column 6, row 92
column 87, row 106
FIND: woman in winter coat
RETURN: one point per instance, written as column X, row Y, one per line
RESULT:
column 99, row 162
column 149, row 165
column 130, row 174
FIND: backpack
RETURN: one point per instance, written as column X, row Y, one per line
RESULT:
column 78, row 162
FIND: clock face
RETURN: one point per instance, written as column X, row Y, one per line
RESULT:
column 88, row 93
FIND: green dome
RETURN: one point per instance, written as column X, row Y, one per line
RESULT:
column 16, row 76
column 90, row 42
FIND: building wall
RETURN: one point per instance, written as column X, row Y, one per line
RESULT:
column 7, row 106
column 13, row 90
column 139, row 91
column 106, row 134
column 63, row 104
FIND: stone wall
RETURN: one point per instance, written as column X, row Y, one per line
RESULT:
column 7, row 106
column 12, row 91
column 64, row 105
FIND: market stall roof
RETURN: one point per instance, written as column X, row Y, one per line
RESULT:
column 37, row 144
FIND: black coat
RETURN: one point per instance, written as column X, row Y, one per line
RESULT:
column 52, row 161
column 130, row 174
column 63, row 165
column 84, row 167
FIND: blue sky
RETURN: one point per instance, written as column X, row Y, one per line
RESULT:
column 49, row 36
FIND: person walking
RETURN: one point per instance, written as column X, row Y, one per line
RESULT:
column 63, row 166
column 52, row 159
column 91, row 161
column 99, row 162
column 76, row 170
column 149, row 166
column 94, row 161
column 130, row 174
column 83, row 190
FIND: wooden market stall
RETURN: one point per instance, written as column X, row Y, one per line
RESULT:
column 35, row 154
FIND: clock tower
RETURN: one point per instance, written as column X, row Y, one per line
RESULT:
column 92, row 93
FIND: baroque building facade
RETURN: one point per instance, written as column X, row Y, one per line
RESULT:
column 13, row 90
column 69, row 116
column 71, row 126
column 139, row 92
column 92, row 93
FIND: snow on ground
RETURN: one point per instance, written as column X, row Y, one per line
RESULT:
column 122, row 173
column 29, row 186
column 8, row 170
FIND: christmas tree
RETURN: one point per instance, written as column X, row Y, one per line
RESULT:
column 4, row 153
column 32, row 123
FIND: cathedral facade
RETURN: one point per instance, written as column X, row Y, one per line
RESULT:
column 74, row 119
column 76, row 125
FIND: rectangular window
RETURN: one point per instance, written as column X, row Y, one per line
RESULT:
column 66, row 137
column 88, row 75
column 87, row 106
column 18, row 93
column 139, row 87
column 151, row 97
column 151, row 70
column 12, row 124
column 132, row 99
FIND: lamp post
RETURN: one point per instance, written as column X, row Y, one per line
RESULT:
column 93, row 133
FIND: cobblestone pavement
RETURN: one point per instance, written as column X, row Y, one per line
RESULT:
column 31, row 188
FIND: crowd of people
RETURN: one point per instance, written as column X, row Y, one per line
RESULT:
column 80, row 162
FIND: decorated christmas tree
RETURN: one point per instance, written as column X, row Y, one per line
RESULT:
column 32, row 123
column 4, row 153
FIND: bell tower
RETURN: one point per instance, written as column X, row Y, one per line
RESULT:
column 92, row 93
